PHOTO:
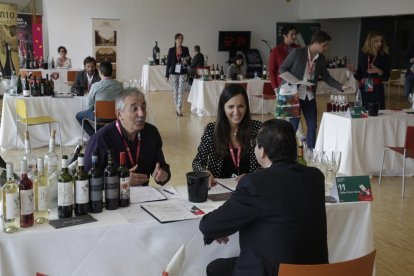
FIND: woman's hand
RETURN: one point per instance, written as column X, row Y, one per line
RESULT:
column 374, row 70
column 211, row 180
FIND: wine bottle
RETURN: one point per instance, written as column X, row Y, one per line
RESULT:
column 13, row 84
column 53, row 63
column 221, row 73
column 95, row 186
column 75, row 154
column 65, row 191
column 111, row 183
column 156, row 53
column 51, row 87
column 19, row 85
column 212, row 72
column 301, row 159
column 1, row 69
column 41, row 193
column 264, row 74
column 28, row 156
column 42, row 86
column 11, row 203
column 8, row 66
column 35, row 88
column 217, row 72
column 123, row 181
column 47, row 86
column 26, row 197
column 26, row 87
column 81, row 189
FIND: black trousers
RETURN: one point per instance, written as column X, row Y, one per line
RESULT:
column 221, row 267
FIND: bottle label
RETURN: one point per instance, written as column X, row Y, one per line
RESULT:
column 157, row 56
column 124, row 187
column 81, row 191
column 51, row 167
column 96, row 188
column 26, row 202
column 26, row 93
column 65, row 193
column 111, row 187
column 12, row 206
column 42, row 198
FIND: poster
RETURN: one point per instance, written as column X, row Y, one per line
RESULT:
column 105, row 42
column 30, row 37
column 8, row 37
column 304, row 32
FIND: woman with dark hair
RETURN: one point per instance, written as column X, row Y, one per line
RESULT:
column 176, row 72
column 225, row 150
column 236, row 68
column 62, row 61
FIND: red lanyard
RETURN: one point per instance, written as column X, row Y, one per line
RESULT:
column 311, row 65
column 236, row 161
column 371, row 63
column 127, row 147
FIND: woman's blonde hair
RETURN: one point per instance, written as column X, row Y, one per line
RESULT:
column 369, row 47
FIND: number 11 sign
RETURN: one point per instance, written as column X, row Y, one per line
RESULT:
column 354, row 188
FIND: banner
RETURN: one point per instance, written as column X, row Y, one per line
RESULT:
column 30, row 38
column 9, row 61
column 104, row 41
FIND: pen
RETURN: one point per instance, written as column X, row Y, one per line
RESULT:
column 171, row 193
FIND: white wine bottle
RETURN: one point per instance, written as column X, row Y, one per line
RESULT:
column 65, row 191
column 51, row 171
column 28, row 156
column 11, row 203
column 41, row 193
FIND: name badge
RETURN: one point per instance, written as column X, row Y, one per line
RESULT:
column 177, row 68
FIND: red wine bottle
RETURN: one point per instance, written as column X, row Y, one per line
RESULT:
column 111, row 183
column 81, row 188
column 95, row 186
column 123, row 181
column 8, row 66
column 26, row 197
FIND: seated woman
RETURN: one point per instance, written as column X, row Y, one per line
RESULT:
column 225, row 149
column 62, row 61
column 236, row 68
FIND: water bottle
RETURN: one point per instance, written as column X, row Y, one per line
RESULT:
column 358, row 99
column 255, row 74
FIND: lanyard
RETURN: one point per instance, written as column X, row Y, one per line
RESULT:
column 311, row 66
column 236, row 161
column 369, row 62
column 127, row 147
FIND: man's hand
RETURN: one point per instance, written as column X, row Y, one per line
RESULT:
column 346, row 88
column 223, row 240
column 159, row 174
column 137, row 179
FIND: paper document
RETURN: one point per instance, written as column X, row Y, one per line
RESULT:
column 229, row 183
column 169, row 191
column 219, row 189
column 289, row 78
column 168, row 211
column 144, row 194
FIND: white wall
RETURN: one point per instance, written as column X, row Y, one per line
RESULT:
column 142, row 22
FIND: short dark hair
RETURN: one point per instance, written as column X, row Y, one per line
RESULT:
column 89, row 59
column 320, row 37
column 106, row 68
column 177, row 35
column 62, row 48
column 286, row 29
column 197, row 48
column 222, row 129
column 278, row 139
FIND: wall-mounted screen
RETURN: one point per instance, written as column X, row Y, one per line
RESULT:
column 234, row 41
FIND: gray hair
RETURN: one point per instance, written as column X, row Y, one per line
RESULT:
column 120, row 98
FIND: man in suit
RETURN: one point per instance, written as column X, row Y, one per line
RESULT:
column 85, row 78
column 196, row 61
column 279, row 211
column 409, row 76
column 309, row 64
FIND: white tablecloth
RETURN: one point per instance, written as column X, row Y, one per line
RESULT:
column 153, row 77
column 362, row 141
column 62, row 109
column 340, row 75
column 116, row 246
column 204, row 96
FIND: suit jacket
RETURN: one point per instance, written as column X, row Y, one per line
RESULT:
column 280, row 215
column 82, row 79
column 277, row 56
column 172, row 60
column 296, row 61
column 198, row 60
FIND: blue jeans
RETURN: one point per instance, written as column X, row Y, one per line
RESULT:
column 310, row 112
column 88, row 114
column 408, row 83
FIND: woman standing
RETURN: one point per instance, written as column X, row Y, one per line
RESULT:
column 176, row 73
column 373, row 69
column 225, row 149
column 62, row 61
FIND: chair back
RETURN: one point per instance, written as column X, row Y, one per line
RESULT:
column 72, row 75
column 395, row 74
column 105, row 110
column 21, row 110
column 268, row 89
column 409, row 139
column 362, row 266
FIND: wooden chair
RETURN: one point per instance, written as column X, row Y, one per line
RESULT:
column 23, row 117
column 407, row 151
column 104, row 110
column 71, row 77
column 394, row 80
column 362, row 266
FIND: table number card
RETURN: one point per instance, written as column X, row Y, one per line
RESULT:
column 354, row 188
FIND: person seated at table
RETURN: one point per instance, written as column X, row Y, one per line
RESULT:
column 279, row 211
column 225, row 149
column 85, row 78
column 131, row 134
column 409, row 75
column 236, row 68
column 196, row 61
column 62, row 61
column 104, row 90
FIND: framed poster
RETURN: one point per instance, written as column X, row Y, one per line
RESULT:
column 105, row 42
column 304, row 32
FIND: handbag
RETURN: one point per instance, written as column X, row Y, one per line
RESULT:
column 288, row 105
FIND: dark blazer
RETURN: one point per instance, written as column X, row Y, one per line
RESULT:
column 281, row 218
column 198, row 60
column 296, row 61
column 82, row 80
column 172, row 60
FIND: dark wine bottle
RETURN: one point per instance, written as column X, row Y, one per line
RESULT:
column 26, row 87
column 1, row 69
column 8, row 66
column 156, row 53
column 81, row 188
column 96, row 182
column 47, row 86
column 221, row 73
column 42, row 87
column 123, row 181
column 75, row 154
column 65, row 191
column 111, row 183
column 35, row 88
column 19, row 85
column 217, row 72
column 26, row 197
